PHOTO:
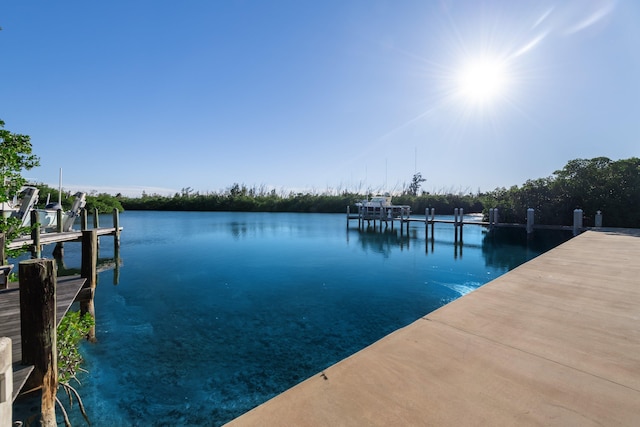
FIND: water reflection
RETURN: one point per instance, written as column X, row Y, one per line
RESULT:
column 501, row 248
column 496, row 244
column 381, row 242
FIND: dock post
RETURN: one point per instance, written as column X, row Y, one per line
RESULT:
column 116, row 245
column 433, row 222
column 36, row 249
column 426, row 223
column 598, row 220
column 577, row 221
column 530, row 214
column 408, row 222
column 391, row 219
column 455, row 224
column 83, row 220
column 59, row 221
column 461, row 226
column 58, row 251
column 496, row 216
column 348, row 214
column 38, row 331
column 6, row 382
column 3, row 255
column 88, row 270
column 490, row 218
column 96, row 218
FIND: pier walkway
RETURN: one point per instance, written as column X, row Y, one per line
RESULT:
column 555, row 341
column 67, row 289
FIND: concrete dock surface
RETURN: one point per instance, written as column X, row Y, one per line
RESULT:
column 555, row 341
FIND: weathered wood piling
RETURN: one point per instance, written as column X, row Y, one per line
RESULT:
column 38, row 330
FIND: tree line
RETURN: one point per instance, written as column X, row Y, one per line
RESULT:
column 612, row 187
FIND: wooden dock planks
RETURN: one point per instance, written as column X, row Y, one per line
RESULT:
column 68, row 236
column 553, row 342
column 66, row 291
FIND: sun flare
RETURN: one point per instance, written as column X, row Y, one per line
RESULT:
column 482, row 81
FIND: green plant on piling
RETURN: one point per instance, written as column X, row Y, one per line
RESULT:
column 73, row 329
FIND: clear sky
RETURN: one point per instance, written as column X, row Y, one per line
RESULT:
column 157, row 95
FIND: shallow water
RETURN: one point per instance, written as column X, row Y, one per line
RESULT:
column 215, row 313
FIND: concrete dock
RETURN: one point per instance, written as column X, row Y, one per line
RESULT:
column 554, row 342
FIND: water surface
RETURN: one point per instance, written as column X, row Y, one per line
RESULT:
column 215, row 313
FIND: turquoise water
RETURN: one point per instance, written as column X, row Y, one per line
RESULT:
column 215, row 313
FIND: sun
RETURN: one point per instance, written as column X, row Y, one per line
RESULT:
column 482, row 81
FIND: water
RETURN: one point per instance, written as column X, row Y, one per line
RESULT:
column 215, row 312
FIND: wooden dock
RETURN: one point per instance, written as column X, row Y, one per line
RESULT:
column 553, row 342
column 66, row 292
column 27, row 316
column 67, row 236
column 382, row 215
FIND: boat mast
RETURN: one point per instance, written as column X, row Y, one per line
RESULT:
column 60, row 189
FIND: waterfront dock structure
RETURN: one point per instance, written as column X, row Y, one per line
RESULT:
column 31, row 312
column 402, row 214
column 553, row 342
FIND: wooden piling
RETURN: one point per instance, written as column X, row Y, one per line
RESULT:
column 348, row 215
column 36, row 249
column 83, row 220
column 461, row 227
column 58, row 251
column 116, row 233
column 59, row 223
column 88, row 270
column 455, row 225
column 3, row 255
column 38, row 331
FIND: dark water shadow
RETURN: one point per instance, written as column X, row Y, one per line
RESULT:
column 495, row 245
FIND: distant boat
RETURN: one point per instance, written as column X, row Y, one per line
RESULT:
column 377, row 202
column 25, row 201
column 381, row 206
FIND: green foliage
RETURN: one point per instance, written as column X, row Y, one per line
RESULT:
column 72, row 329
column 416, row 182
column 240, row 198
column 15, row 156
column 612, row 187
column 596, row 184
column 105, row 203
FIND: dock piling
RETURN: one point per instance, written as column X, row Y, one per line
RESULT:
column 88, row 270
column 577, row 221
column 598, row 219
column 36, row 249
column 530, row 220
column 38, row 331
column 6, row 381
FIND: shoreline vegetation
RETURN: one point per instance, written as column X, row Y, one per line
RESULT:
column 598, row 184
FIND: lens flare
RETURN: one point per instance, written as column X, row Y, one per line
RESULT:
column 482, row 81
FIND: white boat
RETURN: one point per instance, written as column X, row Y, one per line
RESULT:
column 25, row 201
column 381, row 207
column 377, row 202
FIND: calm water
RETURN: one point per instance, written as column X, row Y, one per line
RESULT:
column 215, row 313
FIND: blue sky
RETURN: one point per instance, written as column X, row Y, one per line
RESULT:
column 127, row 96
